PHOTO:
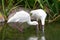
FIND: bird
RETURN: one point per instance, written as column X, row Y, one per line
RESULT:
column 22, row 17
column 40, row 14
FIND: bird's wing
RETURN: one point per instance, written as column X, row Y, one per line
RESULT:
column 21, row 16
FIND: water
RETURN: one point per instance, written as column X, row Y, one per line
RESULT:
column 10, row 32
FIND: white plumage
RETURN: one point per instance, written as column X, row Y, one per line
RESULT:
column 22, row 17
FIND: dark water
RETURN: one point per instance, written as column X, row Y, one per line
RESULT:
column 10, row 32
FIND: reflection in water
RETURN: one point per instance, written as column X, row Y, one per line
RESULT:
column 52, row 32
column 9, row 32
column 33, row 38
column 1, row 25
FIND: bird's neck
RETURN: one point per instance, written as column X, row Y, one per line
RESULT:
column 30, row 23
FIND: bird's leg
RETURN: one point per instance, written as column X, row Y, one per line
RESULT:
column 19, row 28
column 37, row 29
column 43, row 36
column 14, row 25
column 42, row 28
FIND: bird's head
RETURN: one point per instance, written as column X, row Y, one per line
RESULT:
column 32, row 13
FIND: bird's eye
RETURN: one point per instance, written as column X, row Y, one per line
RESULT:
column 30, row 14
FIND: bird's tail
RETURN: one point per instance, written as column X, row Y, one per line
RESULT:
column 10, row 20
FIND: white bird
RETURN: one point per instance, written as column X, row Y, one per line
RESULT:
column 40, row 14
column 21, row 17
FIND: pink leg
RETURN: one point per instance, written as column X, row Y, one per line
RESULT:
column 19, row 28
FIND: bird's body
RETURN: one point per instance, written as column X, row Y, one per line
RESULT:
column 22, row 17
